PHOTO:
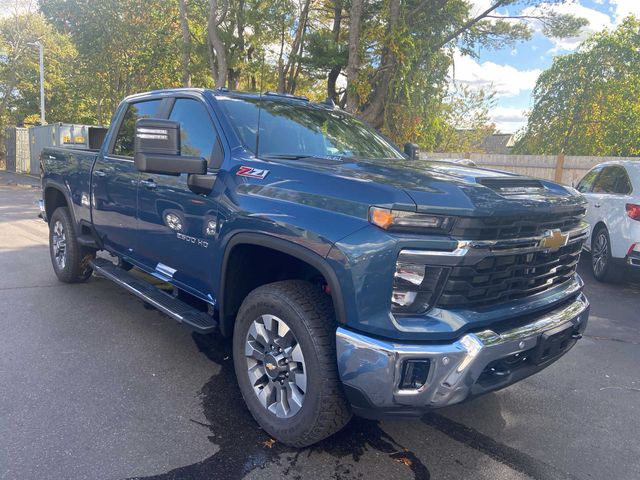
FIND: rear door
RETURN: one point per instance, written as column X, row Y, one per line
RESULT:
column 177, row 227
column 115, row 182
column 611, row 192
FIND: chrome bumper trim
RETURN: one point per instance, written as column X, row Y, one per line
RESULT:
column 43, row 210
column 374, row 366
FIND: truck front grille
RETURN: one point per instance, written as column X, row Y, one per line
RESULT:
column 500, row 278
column 498, row 228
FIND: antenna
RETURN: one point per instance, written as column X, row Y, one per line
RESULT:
column 260, row 105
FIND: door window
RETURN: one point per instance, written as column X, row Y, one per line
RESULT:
column 611, row 180
column 587, row 181
column 623, row 187
column 197, row 134
column 126, row 133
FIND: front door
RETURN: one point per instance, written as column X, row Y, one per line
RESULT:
column 178, row 228
column 115, row 182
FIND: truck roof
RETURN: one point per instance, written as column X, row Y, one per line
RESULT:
column 268, row 95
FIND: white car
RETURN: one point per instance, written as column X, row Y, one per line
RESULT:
column 613, row 192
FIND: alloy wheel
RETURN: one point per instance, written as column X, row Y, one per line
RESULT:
column 59, row 243
column 600, row 254
column 276, row 366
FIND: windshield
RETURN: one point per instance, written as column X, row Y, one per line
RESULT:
column 295, row 130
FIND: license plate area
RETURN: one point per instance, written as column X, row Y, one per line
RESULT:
column 554, row 343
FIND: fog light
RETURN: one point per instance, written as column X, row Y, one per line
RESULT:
column 403, row 299
column 414, row 374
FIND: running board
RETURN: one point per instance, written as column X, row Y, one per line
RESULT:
column 199, row 321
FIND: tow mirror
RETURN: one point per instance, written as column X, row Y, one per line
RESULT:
column 157, row 149
column 412, row 150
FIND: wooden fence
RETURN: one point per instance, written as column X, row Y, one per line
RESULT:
column 560, row 168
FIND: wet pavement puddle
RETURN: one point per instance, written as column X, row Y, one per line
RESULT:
column 244, row 447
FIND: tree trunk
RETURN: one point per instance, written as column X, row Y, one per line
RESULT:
column 215, row 19
column 374, row 111
column 355, row 21
column 281, row 72
column 333, row 74
column 296, row 48
column 186, row 45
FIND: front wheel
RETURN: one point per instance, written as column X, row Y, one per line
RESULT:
column 285, row 361
column 70, row 260
column 602, row 264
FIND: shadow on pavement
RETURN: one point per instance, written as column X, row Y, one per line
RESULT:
column 245, row 447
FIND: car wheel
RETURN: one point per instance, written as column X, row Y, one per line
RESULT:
column 284, row 356
column 602, row 264
column 71, row 261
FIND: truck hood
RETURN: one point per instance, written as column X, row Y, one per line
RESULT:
column 441, row 187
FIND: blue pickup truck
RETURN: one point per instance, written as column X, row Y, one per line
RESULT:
column 350, row 276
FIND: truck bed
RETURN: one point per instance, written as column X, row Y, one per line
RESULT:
column 70, row 169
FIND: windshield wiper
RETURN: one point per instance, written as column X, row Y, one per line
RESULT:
column 293, row 156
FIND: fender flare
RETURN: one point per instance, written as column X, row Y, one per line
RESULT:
column 49, row 184
column 289, row 248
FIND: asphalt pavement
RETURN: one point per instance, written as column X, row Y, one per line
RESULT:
column 95, row 386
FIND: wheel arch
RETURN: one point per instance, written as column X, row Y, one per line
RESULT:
column 599, row 224
column 55, row 196
column 228, row 305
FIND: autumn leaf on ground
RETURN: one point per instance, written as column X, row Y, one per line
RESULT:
column 269, row 443
column 404, row 460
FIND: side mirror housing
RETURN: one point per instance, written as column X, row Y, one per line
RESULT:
column 412, row 150
column 157, row 149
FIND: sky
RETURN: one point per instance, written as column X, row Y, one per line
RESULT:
column 512, row 72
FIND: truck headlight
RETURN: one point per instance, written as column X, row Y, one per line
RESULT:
column 415, row 287
column 409, row 221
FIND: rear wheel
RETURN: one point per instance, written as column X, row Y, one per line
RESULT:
column 602, row 264
column 285, row 362
column 69, row 259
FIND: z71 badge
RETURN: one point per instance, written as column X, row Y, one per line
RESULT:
column 252, row 172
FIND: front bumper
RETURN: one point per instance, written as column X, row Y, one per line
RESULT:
column 371, row 369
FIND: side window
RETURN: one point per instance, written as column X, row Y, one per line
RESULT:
column 126, row 135
column 197, row 134
column 584, row 186
column 607, row 181
column 623, row 186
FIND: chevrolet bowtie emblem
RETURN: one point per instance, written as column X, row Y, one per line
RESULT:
column 554, row 239
column 270, row 366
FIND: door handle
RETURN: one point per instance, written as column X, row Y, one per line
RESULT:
column 597, row 205
column 150, row 184
column 100, row 173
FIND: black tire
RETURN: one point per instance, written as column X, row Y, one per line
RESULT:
column 72, row 265
column 603, row 266
column 308, row 312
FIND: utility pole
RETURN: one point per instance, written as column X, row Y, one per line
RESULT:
column 41, row 51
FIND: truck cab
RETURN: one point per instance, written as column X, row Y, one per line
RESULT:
column 350, row 278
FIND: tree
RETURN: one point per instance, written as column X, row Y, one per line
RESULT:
column 588, row 102
column 126, row 46
column 465, row 120
column 186, row 44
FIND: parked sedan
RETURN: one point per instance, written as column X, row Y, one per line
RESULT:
column 613, row 192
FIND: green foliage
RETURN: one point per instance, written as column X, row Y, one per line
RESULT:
column 588, row 102
column 98, row 52
column 466, row 120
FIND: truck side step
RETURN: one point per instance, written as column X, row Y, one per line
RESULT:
column 199, row 321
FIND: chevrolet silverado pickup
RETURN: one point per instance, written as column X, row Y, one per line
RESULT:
column 350, row 277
